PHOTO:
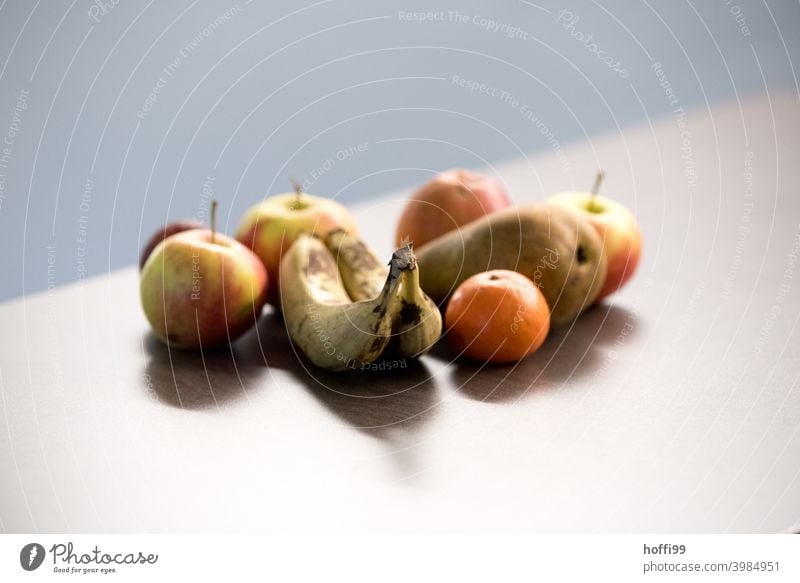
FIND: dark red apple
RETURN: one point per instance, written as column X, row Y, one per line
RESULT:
column 163, row 233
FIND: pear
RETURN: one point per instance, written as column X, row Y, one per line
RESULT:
column 558, row 249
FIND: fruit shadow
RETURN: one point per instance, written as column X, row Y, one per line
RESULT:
column 570, row 352
column 391, row 403
column 194, row 380
column 614, row 324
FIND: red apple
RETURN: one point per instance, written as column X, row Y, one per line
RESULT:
column 448, row 201
column 163, row 233
column 270, row 227
column 622, row 239
column 200, row 289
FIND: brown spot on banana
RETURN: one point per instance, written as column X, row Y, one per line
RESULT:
column 361, row 271
column 329, row 328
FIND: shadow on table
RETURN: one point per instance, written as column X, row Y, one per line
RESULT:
column 570, row 352
column 189, row 379
column 390, row 404
column 611, row 323
column 399, row 394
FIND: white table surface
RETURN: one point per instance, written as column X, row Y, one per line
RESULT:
column 691, row 422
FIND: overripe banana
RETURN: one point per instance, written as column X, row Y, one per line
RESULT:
column 363, row 274
column 333, row 331
column 418, row 322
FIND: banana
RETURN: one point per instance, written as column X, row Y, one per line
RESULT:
column 363, row 274
column 333, row 331
column 418, row 322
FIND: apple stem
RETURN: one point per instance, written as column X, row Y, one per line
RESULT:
column 298, row 191
column 213, row 221
column 598, row 180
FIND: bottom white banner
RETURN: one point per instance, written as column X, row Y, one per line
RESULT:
column 506, row 558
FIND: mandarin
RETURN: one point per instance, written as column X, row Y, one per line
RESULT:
column 497, row 316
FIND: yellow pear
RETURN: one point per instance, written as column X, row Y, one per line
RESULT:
column 558, row 249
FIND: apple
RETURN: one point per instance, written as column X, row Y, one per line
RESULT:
column 270, row 227
column 448, row 201
column 200, row 288
column 163, row 233
column 622, row 239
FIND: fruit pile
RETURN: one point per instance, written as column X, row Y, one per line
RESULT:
column 502, row 274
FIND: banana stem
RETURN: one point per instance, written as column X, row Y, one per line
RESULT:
column 410, row 289
column 402, row 261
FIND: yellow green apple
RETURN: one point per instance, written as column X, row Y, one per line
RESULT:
column 622, row 238
column 270, row 227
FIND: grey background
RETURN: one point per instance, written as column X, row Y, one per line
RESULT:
column 278, row 88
